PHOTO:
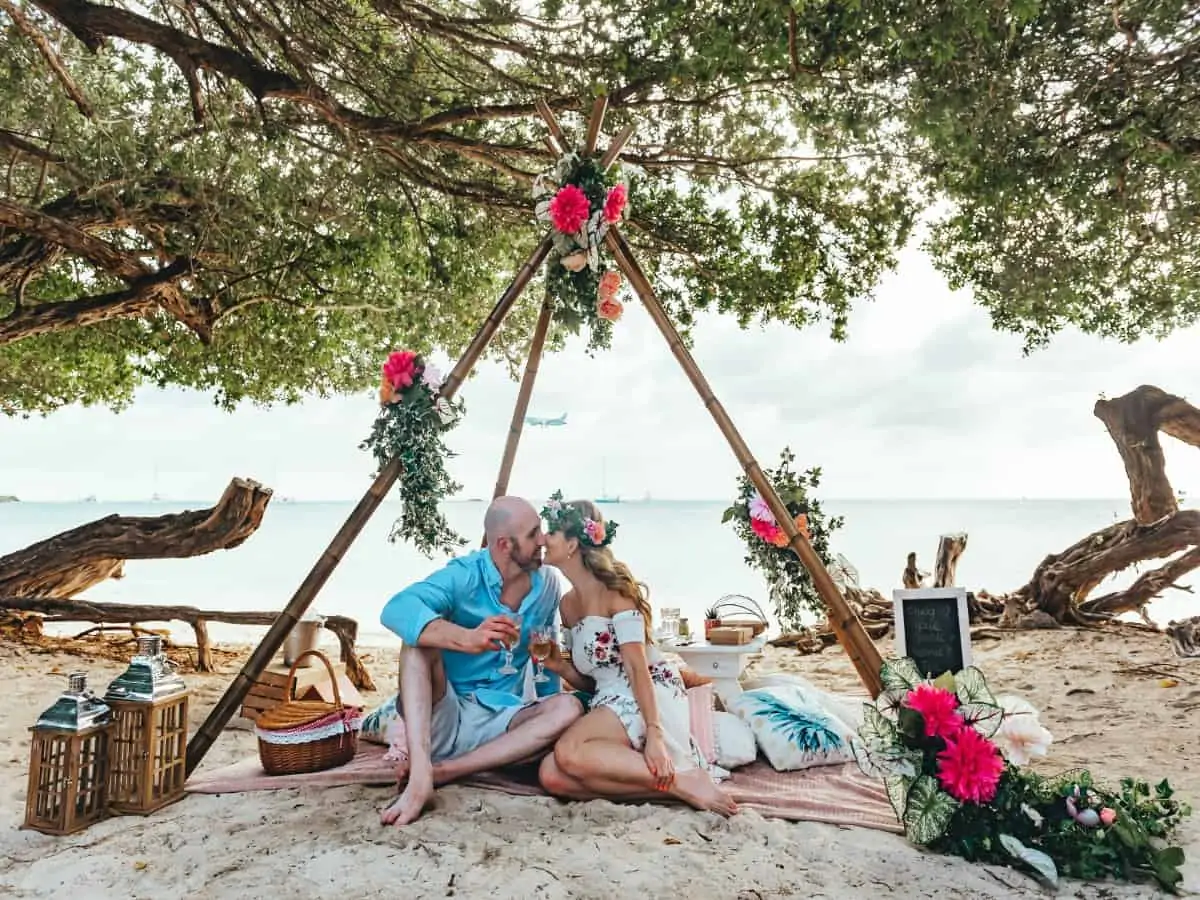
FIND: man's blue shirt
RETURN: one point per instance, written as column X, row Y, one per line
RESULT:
column 467, row 591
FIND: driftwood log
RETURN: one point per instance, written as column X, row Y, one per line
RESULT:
column 1059, row 592
column 1061, row 585
column 60, row 609
column 945, row 568
column 72, row 562
column 877, row 611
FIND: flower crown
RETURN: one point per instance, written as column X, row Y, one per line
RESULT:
column 571, row 522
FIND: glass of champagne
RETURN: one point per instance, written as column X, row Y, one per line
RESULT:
column 508, row 668
column 541, row 645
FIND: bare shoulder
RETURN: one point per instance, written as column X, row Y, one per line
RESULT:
column 618, row 603
column 568, row 608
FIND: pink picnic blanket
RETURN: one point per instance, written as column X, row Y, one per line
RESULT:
column 837, row 795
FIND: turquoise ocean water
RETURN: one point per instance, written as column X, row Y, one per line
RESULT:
column 680, row 549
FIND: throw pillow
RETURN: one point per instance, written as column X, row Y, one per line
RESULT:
column 792, row 728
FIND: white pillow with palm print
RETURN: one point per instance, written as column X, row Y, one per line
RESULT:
column 792, row 727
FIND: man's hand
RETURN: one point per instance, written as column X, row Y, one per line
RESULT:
column 493, row 633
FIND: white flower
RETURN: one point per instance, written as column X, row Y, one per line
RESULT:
column 445, row 411
column 1021, row 736
column 760, row 510
column 432, row 376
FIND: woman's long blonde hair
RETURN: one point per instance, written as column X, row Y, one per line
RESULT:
column 610, row 571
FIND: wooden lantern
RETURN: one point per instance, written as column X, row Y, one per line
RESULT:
column 68, row 762
column 148, row 747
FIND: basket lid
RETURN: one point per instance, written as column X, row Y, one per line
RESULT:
column 294, row 713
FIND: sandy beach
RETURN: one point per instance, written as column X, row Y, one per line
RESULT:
column 1118, row 705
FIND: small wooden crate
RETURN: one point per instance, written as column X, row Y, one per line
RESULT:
column 148, row 754
column 275, row 686
column 67, row 780
column 724, row 634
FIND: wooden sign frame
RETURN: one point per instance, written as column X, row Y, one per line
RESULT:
column 901, row 595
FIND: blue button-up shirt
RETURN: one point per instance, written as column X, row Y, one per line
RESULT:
column 467, row 591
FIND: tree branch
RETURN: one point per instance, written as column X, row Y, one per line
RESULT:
column 1134, row 421
column 38, row 39
column 100, row 253
column 144, row 295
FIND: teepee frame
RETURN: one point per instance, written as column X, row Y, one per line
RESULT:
column 846, row 625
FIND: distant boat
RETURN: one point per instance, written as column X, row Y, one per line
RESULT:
column 605, row 497
column 90, row 498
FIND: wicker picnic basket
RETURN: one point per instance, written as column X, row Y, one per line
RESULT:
column 301, row 736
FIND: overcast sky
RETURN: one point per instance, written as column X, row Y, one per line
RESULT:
column 923, row 400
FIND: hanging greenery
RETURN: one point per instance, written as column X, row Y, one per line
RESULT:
column 792, row 590
column 412, row 421
column 581, row 202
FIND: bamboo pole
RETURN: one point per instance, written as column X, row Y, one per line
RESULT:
column 548, row 117
column 595, row 123
column 517, row 424
column 615, row 148
column 232, row 699
column 846, row 625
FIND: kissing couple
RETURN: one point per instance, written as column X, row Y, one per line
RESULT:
column 621, row 729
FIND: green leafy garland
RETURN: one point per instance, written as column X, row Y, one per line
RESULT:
column 791, row 587
column 410, row 427
column 1061, row 824
column 581, row 202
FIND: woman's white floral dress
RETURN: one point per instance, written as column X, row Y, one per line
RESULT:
column 595, row 646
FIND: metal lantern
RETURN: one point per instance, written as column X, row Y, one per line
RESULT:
column 68, row 762
column 148, row 751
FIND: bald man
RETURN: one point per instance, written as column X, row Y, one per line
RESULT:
column 461, row 714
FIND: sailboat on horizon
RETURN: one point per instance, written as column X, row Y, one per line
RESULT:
column 605, row 497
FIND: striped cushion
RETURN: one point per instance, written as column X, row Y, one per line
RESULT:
column 700, row 708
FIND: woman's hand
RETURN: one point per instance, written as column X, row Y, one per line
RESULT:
column 554, row 663
column 658, row 759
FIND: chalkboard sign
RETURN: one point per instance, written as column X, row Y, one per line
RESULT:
column 933, row 629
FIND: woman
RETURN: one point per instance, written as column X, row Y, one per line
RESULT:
column 636, row 738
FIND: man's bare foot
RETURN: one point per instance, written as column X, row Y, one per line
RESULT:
column 696, row 788
column 407, row 808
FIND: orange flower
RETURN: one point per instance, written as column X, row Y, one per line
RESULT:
column 387, row 393
column 781, row 539
column 609, row 308
column 610, row 283
column 802, row 525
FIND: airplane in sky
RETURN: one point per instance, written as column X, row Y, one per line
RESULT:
column 546, row 423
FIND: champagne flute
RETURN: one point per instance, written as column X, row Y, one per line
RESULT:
column 541, row 644
column 508, row 668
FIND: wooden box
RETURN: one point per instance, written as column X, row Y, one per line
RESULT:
column 724, row 634
column 274, row 687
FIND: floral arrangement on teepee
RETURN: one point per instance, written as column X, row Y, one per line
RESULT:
column 413, row 419
column 792, row 590
column 581, row 201
column 951, row 757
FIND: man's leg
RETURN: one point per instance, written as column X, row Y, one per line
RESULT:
column 422, row 687
column 530, row 734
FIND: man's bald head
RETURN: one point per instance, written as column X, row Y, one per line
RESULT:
column 513, row 530
column 507, row 516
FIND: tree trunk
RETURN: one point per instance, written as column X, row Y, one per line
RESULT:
column 950, row 548
column 1062, row 583
column 58, row 609
column 71, row 562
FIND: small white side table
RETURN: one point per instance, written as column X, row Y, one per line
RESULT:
column 723, row 663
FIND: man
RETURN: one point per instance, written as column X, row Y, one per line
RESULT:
column 461, row 714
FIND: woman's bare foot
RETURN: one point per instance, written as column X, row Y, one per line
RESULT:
column 696, row 788
column 407, row 808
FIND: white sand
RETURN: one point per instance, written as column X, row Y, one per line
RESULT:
column 479, row 843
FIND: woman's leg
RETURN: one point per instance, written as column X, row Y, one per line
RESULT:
column 597, row 760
